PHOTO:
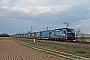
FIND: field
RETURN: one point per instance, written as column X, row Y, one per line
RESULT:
column 87, row 39
column 27, row 49
column 77, row 49
column 11, row 50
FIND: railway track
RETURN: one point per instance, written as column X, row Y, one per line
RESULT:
column 54, row 52
column 70, row 43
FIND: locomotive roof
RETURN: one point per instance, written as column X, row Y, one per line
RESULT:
column 63, row 28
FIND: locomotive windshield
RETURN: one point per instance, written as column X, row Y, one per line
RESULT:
column 70, row 31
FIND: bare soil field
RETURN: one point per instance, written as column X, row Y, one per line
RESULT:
column 11, row 50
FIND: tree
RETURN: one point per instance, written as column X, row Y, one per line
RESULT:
column 78, row 32
column 82, row 36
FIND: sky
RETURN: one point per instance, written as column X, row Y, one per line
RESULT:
column 18, row 16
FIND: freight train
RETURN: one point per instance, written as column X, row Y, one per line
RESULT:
column 61, row 34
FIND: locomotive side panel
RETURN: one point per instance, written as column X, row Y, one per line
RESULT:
column 57, row 34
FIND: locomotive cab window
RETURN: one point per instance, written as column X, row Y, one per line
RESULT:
column 70, row 30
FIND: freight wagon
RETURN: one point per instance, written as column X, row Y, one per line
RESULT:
column 31, row 35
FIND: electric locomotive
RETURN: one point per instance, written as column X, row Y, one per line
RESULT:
column 63, row 34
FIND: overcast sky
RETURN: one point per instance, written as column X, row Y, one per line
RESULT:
column 20, row 15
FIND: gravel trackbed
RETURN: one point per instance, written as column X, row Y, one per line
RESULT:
column 11, row 50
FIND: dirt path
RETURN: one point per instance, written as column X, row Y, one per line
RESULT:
column 11, row 50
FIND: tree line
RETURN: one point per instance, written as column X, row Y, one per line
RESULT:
column 4, row 35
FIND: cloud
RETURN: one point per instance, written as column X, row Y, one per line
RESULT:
column 83, row 25
column 40, row 6
column 21, row 15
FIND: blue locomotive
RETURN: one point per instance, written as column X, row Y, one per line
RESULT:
column 43, row 34
column 63, row 34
